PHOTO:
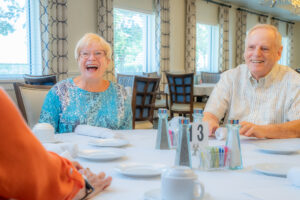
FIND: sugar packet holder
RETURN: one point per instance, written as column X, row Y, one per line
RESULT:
column 214, row 158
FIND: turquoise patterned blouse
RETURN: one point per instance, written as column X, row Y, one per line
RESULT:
column 67, row 105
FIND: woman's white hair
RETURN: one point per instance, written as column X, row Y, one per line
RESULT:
column 269, row 27
column 89, row 38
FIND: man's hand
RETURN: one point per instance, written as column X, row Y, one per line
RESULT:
column 212, row 121
column 252, row 130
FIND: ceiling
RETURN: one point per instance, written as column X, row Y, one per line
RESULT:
column 263, row 8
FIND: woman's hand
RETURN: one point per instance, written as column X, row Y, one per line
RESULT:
column 98, row 181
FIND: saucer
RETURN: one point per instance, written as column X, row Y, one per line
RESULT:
column 155, row 194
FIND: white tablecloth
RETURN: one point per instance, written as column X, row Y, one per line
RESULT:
column 219, row 185
column 199, row 89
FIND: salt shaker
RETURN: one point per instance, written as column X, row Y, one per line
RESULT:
column 233, row 143
column 183, row 151
column 162, row 138
column 198, row 115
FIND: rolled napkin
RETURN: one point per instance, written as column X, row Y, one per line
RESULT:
column 221, row 133
column 293, row 176
column 67, row 150
column 94, row 131
column 45, row 133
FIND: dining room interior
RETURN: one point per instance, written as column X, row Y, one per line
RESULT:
column 168, row 55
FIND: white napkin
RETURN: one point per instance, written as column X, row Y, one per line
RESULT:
column 221, row 133
column 94, row 131
column 67, row 150
column 45, row 133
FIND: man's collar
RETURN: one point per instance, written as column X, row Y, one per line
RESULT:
column 268, row 78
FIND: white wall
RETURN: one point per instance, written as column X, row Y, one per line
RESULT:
column 296, row 60
column 82, row 18
column 177, row 24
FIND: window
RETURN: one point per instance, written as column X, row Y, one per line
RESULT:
column 16, row 28
column 284, row 54
column 133, row 42
column 207, row 45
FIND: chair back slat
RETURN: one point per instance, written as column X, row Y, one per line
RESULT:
column 40, row 80
column 210, row 77
column 143, row 98
column 181, row 88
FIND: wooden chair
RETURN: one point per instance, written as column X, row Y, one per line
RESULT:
column 181, row 94
column 143, row 100
column 161, row 97
column 30, row 99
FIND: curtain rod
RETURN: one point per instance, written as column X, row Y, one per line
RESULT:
column 221, row 4
column 283, row 20
column 255, row 13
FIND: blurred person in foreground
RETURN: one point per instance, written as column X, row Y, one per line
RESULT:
column 88, row 98
column 263, row 95
column 28, row 171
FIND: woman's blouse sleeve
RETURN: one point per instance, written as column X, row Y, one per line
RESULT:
column 51, row 109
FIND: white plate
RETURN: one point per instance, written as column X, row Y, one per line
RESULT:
column 140, row 170
column 101, row 154
column 279, row 147
column 273, row 169
column 109, row 142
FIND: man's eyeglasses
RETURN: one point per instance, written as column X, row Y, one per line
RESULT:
column 96, row 54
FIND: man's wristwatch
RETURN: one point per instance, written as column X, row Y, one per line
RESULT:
column 88, row 189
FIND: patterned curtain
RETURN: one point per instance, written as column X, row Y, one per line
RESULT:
column 290, row 34
column 274, row 22
column 223, row 38
column 241, row 28
column 162, row 41
column 53, row 22
column 190, row 36
column 105, row 29
column 262, row 19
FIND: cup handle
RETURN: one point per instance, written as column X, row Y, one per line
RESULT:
column 200, row 193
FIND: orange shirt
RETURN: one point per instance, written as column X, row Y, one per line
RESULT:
column 27, row 169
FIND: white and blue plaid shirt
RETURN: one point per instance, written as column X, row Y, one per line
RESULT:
column 273, row 99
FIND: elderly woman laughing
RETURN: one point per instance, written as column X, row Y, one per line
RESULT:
column 89, row 98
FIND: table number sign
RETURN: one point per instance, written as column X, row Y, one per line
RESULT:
column 199, row 138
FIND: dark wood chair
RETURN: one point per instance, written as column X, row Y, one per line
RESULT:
column 40, row 80
column 143, row 101
column 181, row 92
column 161, row 97
column 30, row 99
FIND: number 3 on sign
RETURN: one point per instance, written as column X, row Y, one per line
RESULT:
column 200, row 133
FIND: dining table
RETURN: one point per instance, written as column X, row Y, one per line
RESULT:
column 203, row 89
column 220, row 184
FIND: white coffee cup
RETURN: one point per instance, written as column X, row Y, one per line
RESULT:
column 180, row 183
column 44, row 132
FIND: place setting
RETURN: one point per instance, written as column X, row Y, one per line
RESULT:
column 284, row 146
